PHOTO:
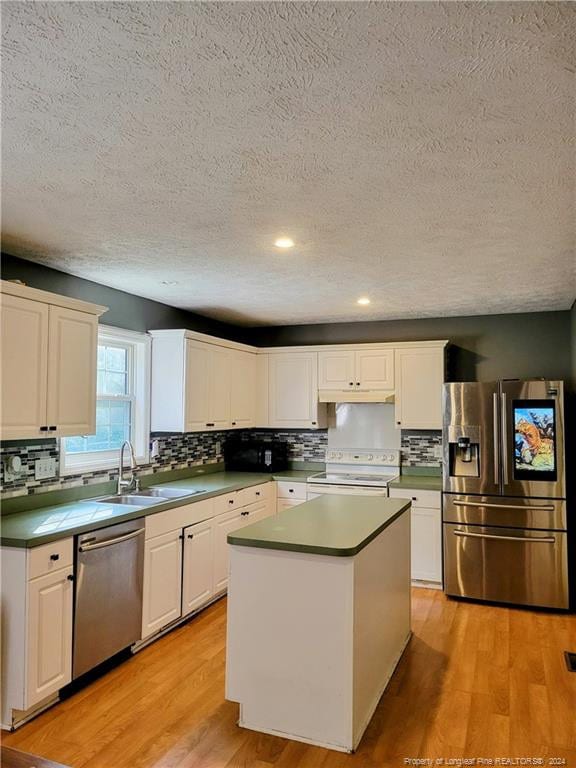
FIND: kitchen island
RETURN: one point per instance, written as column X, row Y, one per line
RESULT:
column 318, row 616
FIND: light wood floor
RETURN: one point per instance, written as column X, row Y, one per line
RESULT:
column 475, row 681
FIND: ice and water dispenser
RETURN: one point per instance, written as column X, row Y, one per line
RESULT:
column 464, row 451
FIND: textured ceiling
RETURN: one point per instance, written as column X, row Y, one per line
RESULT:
column 419, row 153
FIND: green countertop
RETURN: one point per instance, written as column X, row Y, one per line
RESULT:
column 44, row 524
column 340, row 526
column 418, row 482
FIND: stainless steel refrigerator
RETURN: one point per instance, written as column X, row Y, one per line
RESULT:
column 504, row 501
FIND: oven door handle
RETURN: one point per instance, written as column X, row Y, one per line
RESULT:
column 109, row 542
column 540, row 508
column 495, row 537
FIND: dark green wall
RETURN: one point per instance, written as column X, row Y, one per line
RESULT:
column 483, row 347
column 125, row 309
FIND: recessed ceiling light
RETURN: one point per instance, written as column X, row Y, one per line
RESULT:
column 168, row 282
column 284, row 242
column 364, row 300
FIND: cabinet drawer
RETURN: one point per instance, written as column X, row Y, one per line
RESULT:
column 178, row 517
column 50, row 557
column 288, row 490
column 255, row 493
column 227, row 501
column 428, row 499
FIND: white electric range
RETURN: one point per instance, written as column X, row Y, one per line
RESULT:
column 360, row 473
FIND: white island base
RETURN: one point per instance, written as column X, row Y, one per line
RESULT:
column 314, row 639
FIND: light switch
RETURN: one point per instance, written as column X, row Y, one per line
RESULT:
column 44, row 468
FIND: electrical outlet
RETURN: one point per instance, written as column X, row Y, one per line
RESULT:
column 437, row 451
column 44, row 468
column 155, row 449
column 217, row 447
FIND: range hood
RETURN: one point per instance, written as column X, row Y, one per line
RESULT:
column 356, row 396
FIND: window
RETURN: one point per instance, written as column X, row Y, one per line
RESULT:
column 122, row 404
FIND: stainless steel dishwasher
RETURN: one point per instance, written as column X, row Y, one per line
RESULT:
column 108, row 602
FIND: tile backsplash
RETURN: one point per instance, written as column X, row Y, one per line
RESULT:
column 175, row 451
column 419, row 449
column 178, row 451
column 307, row 445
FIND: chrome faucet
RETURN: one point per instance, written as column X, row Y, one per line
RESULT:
column 133, row 483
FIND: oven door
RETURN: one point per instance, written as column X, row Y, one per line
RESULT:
column 532, row 434
column 506, row 565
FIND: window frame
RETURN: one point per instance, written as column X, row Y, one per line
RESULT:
column 139, row 345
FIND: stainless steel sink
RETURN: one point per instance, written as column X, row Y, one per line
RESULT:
column 148, row 497
column 130, row 499
column 167, row 493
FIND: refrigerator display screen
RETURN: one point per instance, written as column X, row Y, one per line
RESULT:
column 534, row 439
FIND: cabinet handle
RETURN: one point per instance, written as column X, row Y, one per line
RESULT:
column 351, row 383
column 181, row 537
column 43, row 429
column 209, row 423
column 290, row 490
column 230, row 501
column 398, row 422
column 414, row 498
column 314, row 423
column 190, row 535
column 52, row 429
column 257, row 493
column 357, row 383
column 70, row 577
column 233, row 423
column 54, row 557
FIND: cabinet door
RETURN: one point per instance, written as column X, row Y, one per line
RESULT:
column 198, row 571
column 219, row 388
column 24, row 361
column 293, row 382
column 223, row 525
column 336, row 370
column 419, row 379
column 49, row 635
column 375, row 369
column 162, row 582
column 197, row 386
column 72, row 349
column 283, row 504
column 426, row 544
column 243, row 390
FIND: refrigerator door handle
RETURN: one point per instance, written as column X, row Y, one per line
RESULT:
column 504, row 444
column 521, row 539
column 524, row 507
column 496, row 445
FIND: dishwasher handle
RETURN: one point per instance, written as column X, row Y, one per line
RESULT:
column 108, row 542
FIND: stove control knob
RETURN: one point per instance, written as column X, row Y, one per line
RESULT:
column 369, row 457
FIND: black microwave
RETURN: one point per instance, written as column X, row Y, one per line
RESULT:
column 255, row 455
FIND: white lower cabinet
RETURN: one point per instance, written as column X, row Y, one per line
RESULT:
column 290, row 494
column 185, row 568
column 197, row 567
column 426, row 533
column 162, row 582
column 37, row 606
column 288, row 503
column 49, row 657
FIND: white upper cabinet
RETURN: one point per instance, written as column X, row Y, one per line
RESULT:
column 207, row 387
column 48, row 360
column 356, row 369
column 24, row 350
column 73, row 347
column 243, row 390
column 200, row 383
column 336, row 369
column 374, row 369
column 196, row 386
column 293, row 390
column 419, row 379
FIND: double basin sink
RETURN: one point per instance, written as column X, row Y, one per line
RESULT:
column 148, row 497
